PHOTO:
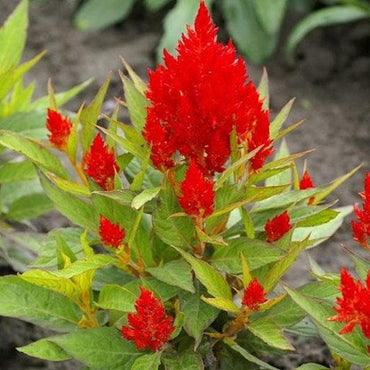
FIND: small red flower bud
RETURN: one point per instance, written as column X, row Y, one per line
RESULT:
column 100, row 164
column 197, row 193
column 110, row 234
column 361, row 228
column 149, row 327
column 354, row 306
column 277, row 227
column 254, row 295
column 307, row 183
column 59, row 127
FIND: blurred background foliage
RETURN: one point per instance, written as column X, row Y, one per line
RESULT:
column 254, row 25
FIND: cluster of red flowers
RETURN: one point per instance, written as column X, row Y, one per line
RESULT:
column 254, row 295
column 59, row 127
column 149, row 327
column 361, row 228
column 197, row 193
column 198, row 97
column 354, row 306
column 100, row 164
column 277, row 227
column 111, row 234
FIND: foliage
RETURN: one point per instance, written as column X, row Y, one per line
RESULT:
column 180, row 244
column 254, row 25
column 21, row 196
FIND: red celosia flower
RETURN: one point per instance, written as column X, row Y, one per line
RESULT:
column 254, row 295
column 197, row 97
column 354, row 306
column 277, row 227
column 361, row 228
column 59, row 127
column 197, row 193
column 100, row 164
column 110, row 234
column 307, row 183
column 149, row 327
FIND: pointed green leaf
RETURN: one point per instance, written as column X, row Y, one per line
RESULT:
column 145, row 196
column 17, row 171
column 263, row 89
column 147, row 362
column 280, row 118
column 115, row 297
column 223, row 304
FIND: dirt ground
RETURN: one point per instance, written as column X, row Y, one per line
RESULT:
column 330, row 81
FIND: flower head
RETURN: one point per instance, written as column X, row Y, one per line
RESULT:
column 254, row 295
column 361, row 228
column 100, row 164
column 197, row 97
column 277, row 227
column 110, row 234
column 354, row 306
column 307, row 183
column 59, row 127
column 149, row 327
column 197, row 193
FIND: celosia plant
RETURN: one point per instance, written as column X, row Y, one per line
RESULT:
column 185, row 226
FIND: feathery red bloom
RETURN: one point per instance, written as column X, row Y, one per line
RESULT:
column 354, row 306
column 277, row 227
column 149, row 327
column 100, row 164
column 197, row 97
column 110, row 234
column 254, row 295
column 197, row 192
column 307, row 183
column 59, row 127
column 361, row 228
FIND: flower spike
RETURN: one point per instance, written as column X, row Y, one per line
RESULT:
column 254, row 295
column 277, row 227
column 59, row 127
column 307, row 183
column 100, row 164
column 111, row 234
column 149, row 327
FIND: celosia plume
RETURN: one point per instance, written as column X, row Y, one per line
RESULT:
column 100, row 164
column 197, row 193
column 354, row 306
column 277, row 227
column 149, row 327
column 361, row 228
column 110, row 234
column 254, row 295
column 59, row 127
column 198, row 97
column 307, row 183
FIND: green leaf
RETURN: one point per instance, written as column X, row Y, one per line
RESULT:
column 271, row 14
column 154, row 5
column 323, row 17
column 247, row 355
column 344, row 345
column 32, row 149
column 311, row 366
column 78, row 211
column 115, row 297
column 176, row 273
column 247, row 31
column 256, row 252
column 362, row 266
column 96, row 15
column 17, row 171
column 37, row 305
column 198, row 315
column 263, row 87
column 45, row 350
column 69, row 186
column 214, row 282
column 223, row 304
column 285, row 177
column 188, row 360
column 280, row 118
column 182, row 14
column 99, row 348
column 147, row 362
column 13, row 37
column 270, row 333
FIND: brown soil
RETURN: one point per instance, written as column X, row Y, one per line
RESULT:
column 330, row 81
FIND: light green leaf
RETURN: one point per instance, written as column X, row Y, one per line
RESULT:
column 223, row 304
column 21, row 299
column 154, row 5
column 45, row 350
column 285, row 177
column 176, row 273
column 115, row 297
column 147, row 362
column 271, row 14
column 17, row 171
column 263, row 88
column 69, row 186
column 99, row 348
column 280, row 118
column 311, row 366
column 214, row 282
column 97, row 14
column 188, row 360
column 323, row 17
